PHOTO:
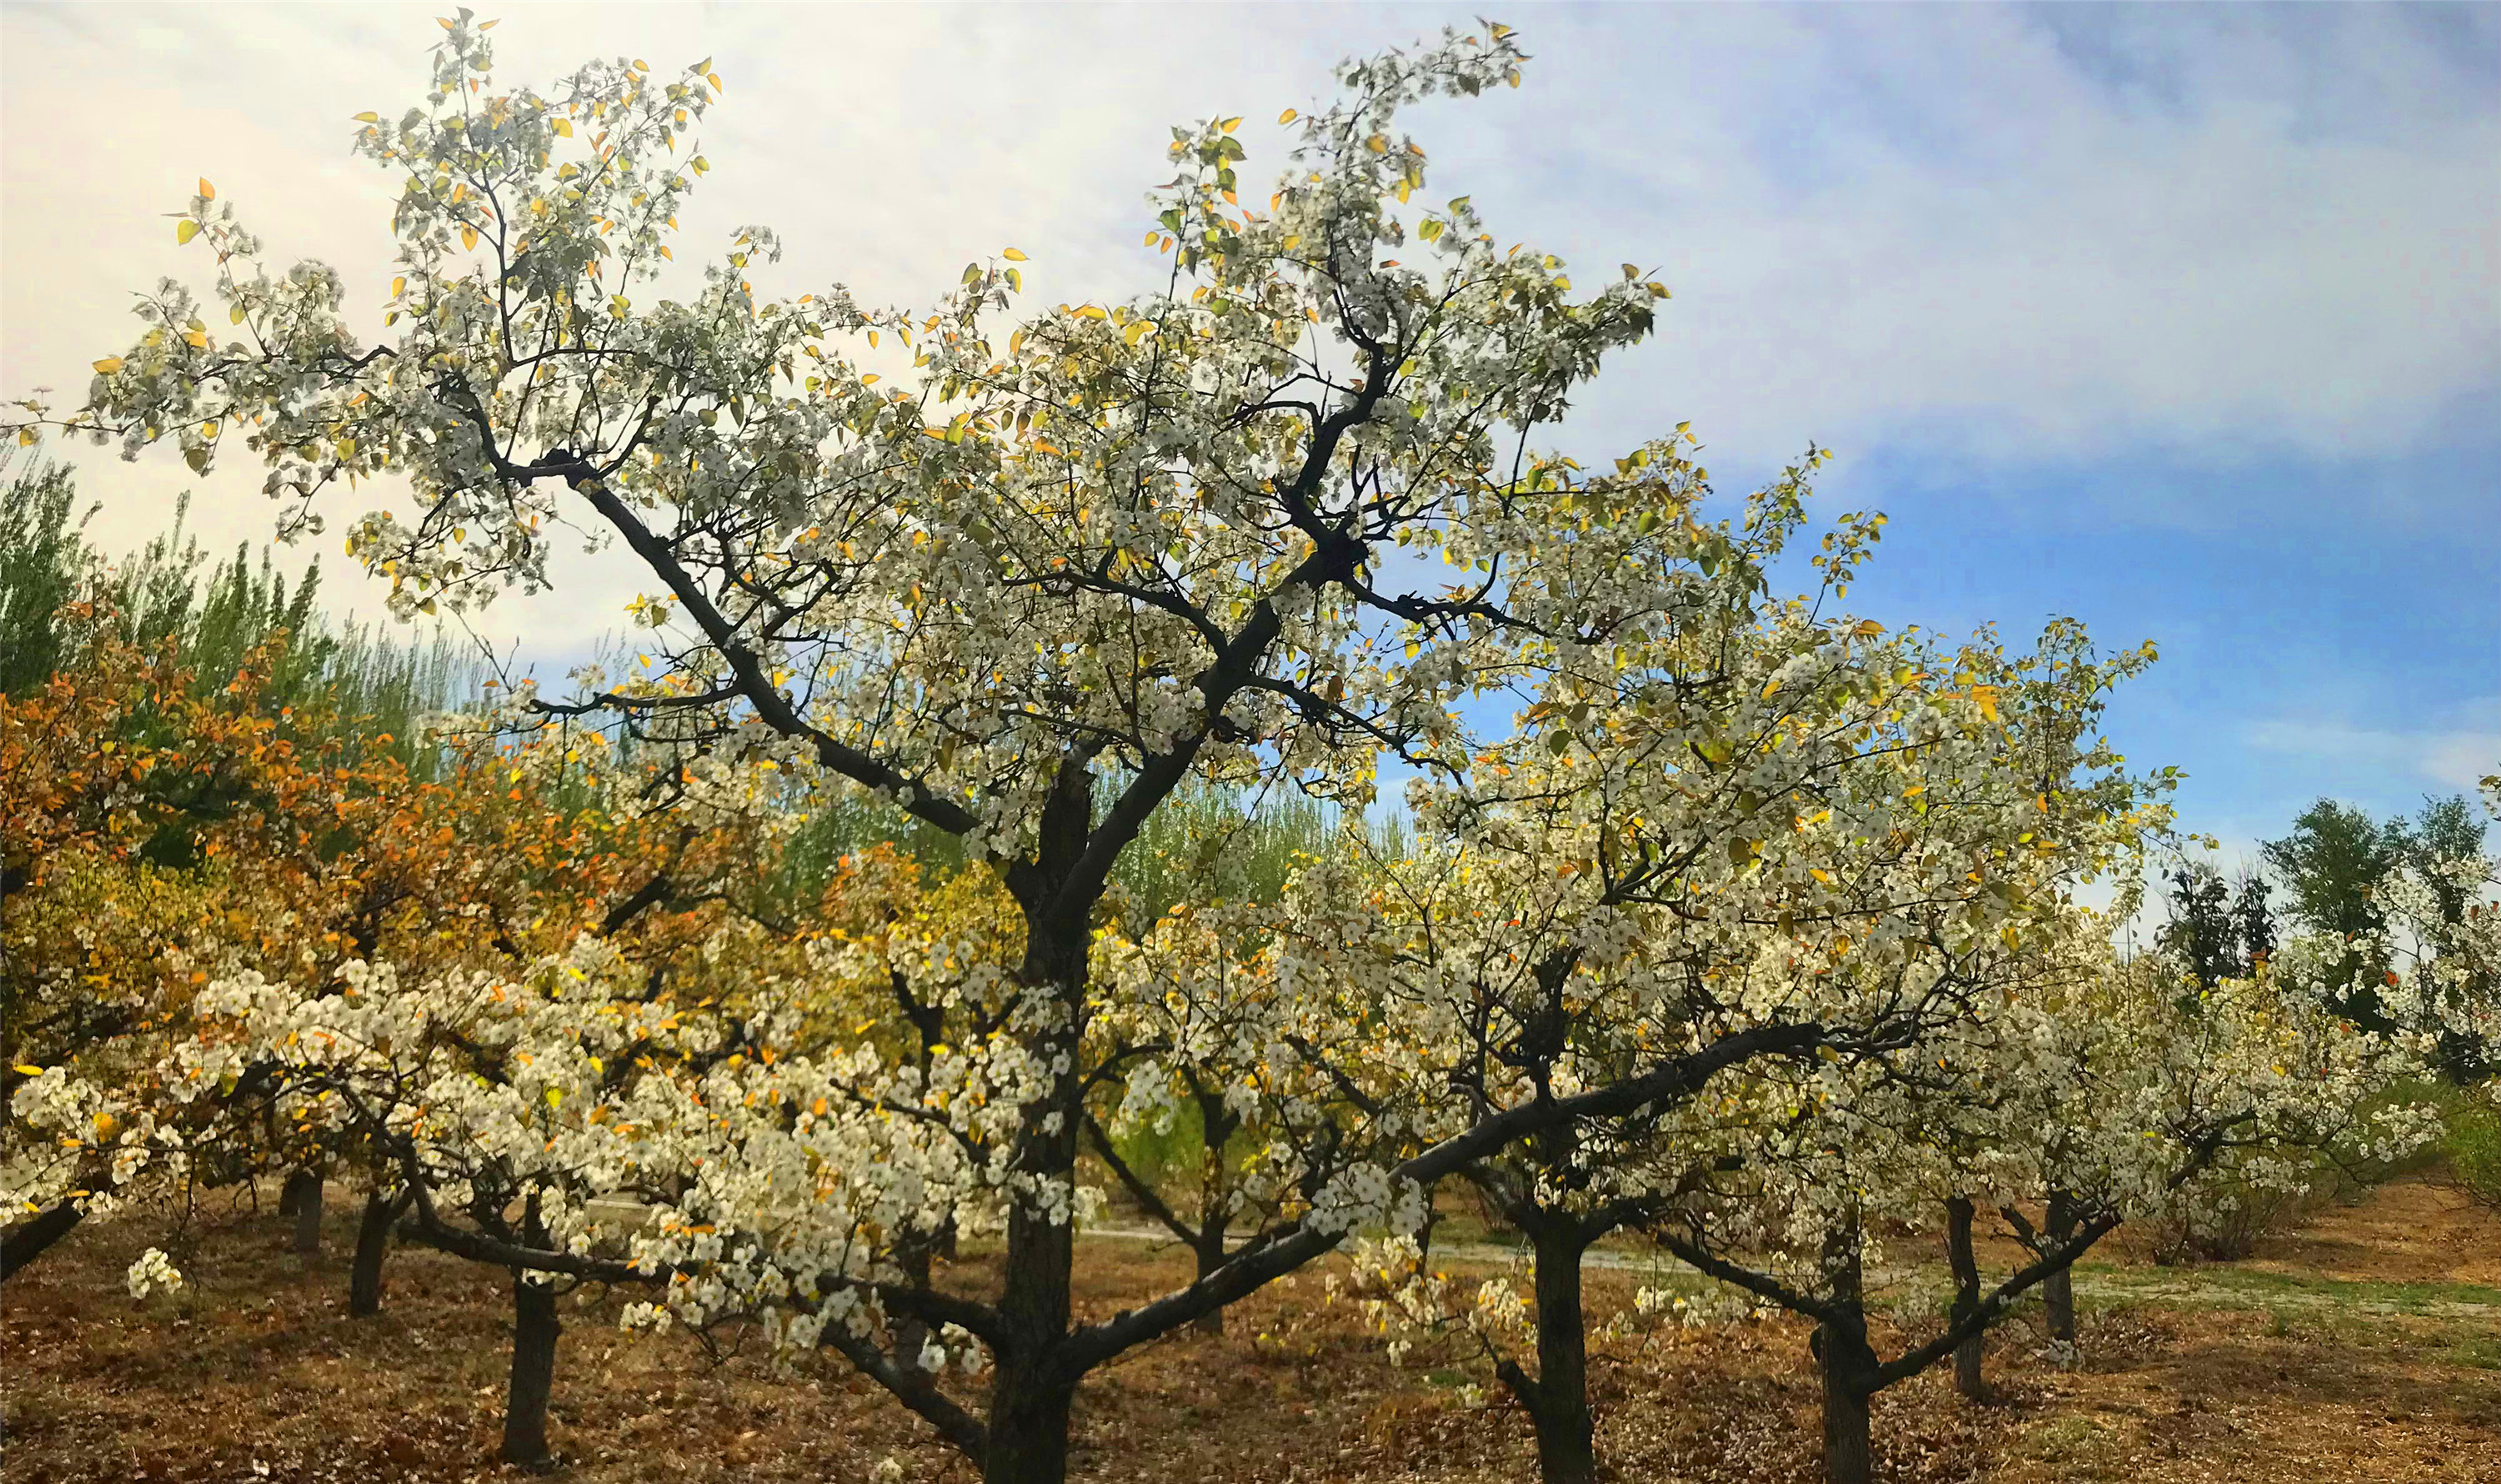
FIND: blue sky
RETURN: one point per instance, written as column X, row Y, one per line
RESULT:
column 2183, row 320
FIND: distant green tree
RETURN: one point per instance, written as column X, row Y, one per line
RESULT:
column 44, row 555
column 2330, row 866
column 2204, row 930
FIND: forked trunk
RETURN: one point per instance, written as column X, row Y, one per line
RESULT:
column 1029, row 1424
column 1847, row 1365
column 1215, row 1129
column 1567, row 1450
column 373, row 1244
column 1209, row 1251
column 1849, row 1437
column 1028, row 1421
column 1959, row 1255
column 2058, row 1290
column 911, row 1333
column 525, row 1402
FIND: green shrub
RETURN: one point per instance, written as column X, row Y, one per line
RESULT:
column 2475, row 1150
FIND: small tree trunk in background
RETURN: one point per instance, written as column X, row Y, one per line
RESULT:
column 2058, row 1290
column 302, row 1201
column 373, row 1244
column 525, row 1402
column 1968, row 1379
column 1424, row 1233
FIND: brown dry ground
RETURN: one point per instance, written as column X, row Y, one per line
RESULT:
column 2364, row 1347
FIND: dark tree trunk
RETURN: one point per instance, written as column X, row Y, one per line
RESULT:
column 301, row 1199
column 1029, row 1413
column 29, row 1239
column 525, row 1403
column 1567, row 1450
column 1847, row 1365
column 2058, row 1290
column 1209, row 1251
column 911, row 1334
column 1849, row 1434
column 1215, row 1129
column 1028, row 1430
column 1968, row 1379
column 373, row 1244
column 1028, row 1421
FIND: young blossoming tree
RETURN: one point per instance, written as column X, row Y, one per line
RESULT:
column 2104, row 1094
column 1792, row 827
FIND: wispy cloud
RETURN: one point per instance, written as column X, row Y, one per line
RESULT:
column 2454, row 751
column 1959, row 238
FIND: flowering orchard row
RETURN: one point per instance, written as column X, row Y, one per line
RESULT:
column 1718, row 914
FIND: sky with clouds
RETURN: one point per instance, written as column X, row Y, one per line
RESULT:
column 2183, row 320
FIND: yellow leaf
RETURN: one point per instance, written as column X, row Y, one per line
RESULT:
column 1013, row 255
column 488, row 26
column 1138, row 332
column 399, row 286
column 468, row 235
column 1287, row 117
column 563, row 130
column 1230, row 125
column 234, row 316
column 369, row 116
column 25, row 437
column 184, row 231
column 444, row 22
column 665, row 252
column 199, row 340
column 714, row 78
column 208, row 192
column 109, row 365
column 31, row 1072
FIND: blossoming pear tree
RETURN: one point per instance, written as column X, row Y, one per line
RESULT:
column 1060, row 570
column 2444, row 927
column 2106, row 1092
column 1801, row 824
column 159, row 830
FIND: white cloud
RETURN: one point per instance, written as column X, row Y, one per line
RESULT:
column 1997, row 235
column 2457, row 755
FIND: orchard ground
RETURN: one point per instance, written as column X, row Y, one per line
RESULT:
column 2365, row 1344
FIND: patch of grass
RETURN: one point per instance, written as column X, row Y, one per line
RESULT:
column 2071, row 1443
column 2249, row 1287
column 2474, row 1148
